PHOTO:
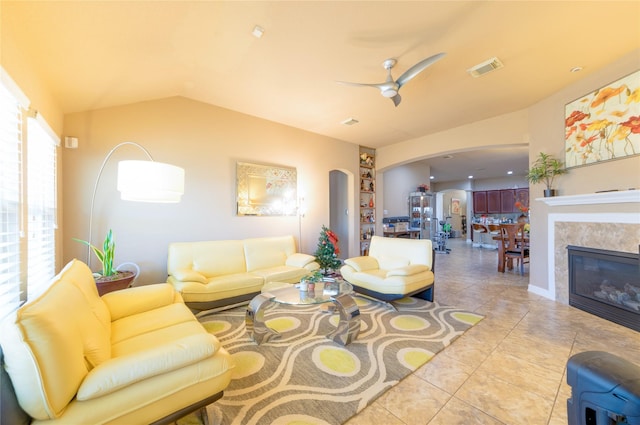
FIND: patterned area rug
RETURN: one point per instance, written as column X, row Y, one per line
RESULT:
column 303, row 377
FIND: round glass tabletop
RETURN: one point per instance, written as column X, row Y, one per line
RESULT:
column 287, row 293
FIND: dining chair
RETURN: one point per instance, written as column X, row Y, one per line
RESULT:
column 514, row 246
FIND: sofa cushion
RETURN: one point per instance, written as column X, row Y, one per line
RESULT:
column 361, row 264
column 378, row 281
column 390, row 262
column 209, row 258
column 56, row 339
column 152, row 361
column 282, row 274
column 408, row 270
column 189, row 275
column 299, row 260
column 264, row 253
column 219, row 288
column 415, row 251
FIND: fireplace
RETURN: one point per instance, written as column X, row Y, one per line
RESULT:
column 605, row 283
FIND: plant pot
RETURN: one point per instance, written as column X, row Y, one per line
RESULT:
column 548, row 193
column 120, row 280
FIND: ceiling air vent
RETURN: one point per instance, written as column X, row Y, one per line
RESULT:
column 485, row 67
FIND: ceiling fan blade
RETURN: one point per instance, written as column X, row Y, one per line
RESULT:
column 378, row 86
column 418, row 68
column 396, row 100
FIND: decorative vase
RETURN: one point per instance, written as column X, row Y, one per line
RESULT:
column 370, row 202
column 548, row 193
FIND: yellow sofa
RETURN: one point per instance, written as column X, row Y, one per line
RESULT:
column 135, row 356
column 211, row 274
column 394, row 268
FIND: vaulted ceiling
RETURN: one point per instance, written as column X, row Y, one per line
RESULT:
column 95, row 54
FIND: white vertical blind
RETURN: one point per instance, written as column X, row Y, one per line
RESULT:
column 27, row 200
column 10, row 202
column 41, row 207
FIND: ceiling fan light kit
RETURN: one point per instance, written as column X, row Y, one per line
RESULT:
column 390, row 88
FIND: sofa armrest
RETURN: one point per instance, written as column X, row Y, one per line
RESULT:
column 123, row 371
column 139, row 299
column 299, row 260
column 189, row 275
column 408, row 270
column 361, row 264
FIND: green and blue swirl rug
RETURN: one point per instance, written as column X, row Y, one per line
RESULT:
column 302, row 377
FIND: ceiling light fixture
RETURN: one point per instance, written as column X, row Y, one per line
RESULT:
column 485, row 67
column 576, row 69
column 509, row 172
column 350, row 121
column 431, row 177
column 470, row 177
column 258, row 31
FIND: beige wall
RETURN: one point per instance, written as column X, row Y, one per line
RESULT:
column 207, row 141
column 546, row 122
column 398, row 183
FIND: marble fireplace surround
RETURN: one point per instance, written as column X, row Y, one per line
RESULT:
column 602, row 230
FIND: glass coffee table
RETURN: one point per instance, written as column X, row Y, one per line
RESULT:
column 337, row 292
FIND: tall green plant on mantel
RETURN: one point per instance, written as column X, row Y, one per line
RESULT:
column 544, row 170
column 106, row 255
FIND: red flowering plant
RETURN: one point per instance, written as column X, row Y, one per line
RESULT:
column 523, row 208
column 522, row 204
column 327, row 250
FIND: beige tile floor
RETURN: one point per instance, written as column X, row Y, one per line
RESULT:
column 508, row 369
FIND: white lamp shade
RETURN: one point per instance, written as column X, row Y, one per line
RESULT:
column 150, row 181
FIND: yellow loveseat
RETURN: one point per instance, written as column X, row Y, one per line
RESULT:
column 135, row 356
column 211, row 274
column 394, row 268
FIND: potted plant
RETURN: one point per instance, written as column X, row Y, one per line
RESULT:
column 545, row 169
column 327, row 251
column 110, row 279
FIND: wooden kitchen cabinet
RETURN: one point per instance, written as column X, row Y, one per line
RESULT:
column 493, row 202
column 499, row 201
column 507, row 201
column 480, row 202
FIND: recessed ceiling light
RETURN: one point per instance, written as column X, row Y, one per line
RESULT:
column 350, row 121
column 470, row 177
column 447, row 157
column 258, row 31
column 431, row 177
column 576, row 69
column 509, row 172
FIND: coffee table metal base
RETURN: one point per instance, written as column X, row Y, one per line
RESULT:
column 346, row 332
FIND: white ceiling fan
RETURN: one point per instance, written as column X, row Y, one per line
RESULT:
column 390, row 87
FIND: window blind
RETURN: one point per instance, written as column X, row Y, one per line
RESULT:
column 41, row 206
column 11, row 290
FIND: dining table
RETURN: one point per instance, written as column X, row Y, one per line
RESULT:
column 501, row 262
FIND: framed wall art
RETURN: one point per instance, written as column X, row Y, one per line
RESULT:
column 605, row 124
column 266, row 190
column 455, row 206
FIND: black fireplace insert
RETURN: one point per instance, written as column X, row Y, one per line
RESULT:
column 605, row 283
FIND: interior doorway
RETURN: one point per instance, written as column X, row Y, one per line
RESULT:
column 339, row 209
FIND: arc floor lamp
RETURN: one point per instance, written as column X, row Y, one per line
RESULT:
column 141, row 181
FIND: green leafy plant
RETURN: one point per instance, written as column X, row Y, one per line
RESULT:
column 545, row 169
column 314, row 277
column 106, row 255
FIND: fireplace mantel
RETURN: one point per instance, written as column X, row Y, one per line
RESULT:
column 614, row 197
